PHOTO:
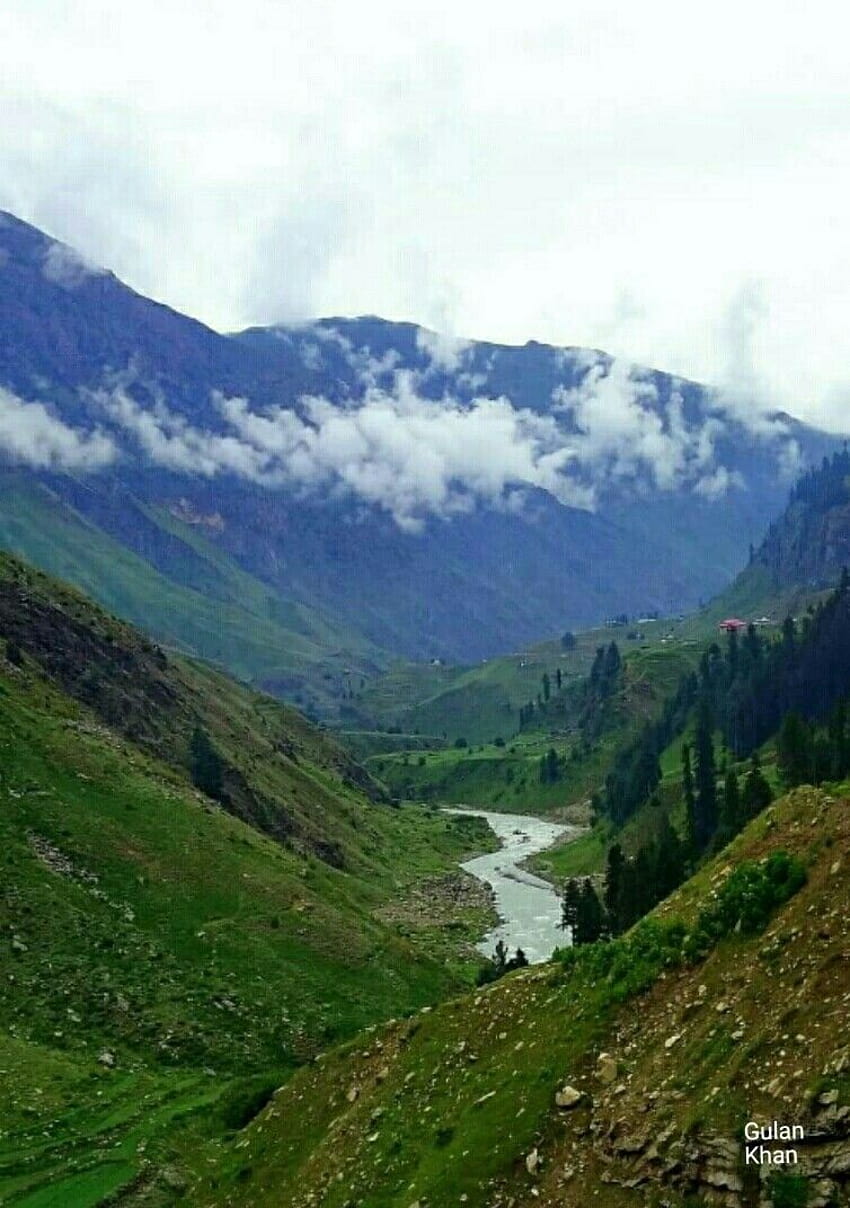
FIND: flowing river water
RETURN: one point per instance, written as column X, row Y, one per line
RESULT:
column 528, row 907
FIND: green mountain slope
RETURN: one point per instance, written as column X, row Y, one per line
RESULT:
column 204, row 605
column 664, row 1057
column 161, row 947
column 507, row 774
column 482, row 702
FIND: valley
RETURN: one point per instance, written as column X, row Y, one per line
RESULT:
column 415, row 788
column 529, row 910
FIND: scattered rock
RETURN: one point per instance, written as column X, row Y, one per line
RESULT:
column 606, row 1068
column 568, row 1097
column 484, row 1098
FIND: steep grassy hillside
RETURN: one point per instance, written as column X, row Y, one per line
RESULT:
column 163, row 945
column 622, row 1075
column 167, row 575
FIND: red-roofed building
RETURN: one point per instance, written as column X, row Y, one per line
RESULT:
column 732, row 625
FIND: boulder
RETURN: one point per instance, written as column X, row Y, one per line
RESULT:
column 606, row 1068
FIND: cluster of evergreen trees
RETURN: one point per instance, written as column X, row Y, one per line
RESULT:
column 582, row 912
column 632, row 887
column 599, row 689
column 548, row 688
column 713, row 817
column 826, row 486
column 808, row 753
column 636, row 771
column 793, row 687
column 746, row 692
column 758, row 681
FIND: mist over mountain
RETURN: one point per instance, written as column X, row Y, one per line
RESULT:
column 404, row 492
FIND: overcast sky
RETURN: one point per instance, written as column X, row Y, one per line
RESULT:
column 669, row 183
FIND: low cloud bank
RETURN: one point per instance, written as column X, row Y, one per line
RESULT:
column 31, row 435
column 66, row 267
column 409, row 455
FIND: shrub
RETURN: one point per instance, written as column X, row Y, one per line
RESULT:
column 628, row 965
column 746, row 900
column 788, row 1190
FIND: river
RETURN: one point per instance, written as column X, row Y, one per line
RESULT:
column 528, row 907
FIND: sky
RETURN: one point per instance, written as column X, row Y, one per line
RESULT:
column 666, row 182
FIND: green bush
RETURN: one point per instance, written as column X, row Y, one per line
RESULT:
column 788, row 1190
column 628, row 965
column 746, row 901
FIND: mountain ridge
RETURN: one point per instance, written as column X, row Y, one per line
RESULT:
column 421, row 497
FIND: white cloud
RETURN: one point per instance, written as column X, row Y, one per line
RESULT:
column 66, row 267
column 31, row 435
column 169, row 440
column 369, row 369
column 625, row 435
column 311, row 356
column 717, row 483
column 411, row 456
column 445, row 353
column 416, row 457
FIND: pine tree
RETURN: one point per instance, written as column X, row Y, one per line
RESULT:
column 644, row 865
column 611, row 668
column 629, row 909
column 705, row 806
column 614, row 886
column 591, row 917
column 757, row 793
column 794, row 750
column 570, row 906
column 839, row 744
column 731, row 810
column 550, row 768
column 732, row 655
column 669, row 861
column 689, row 798
column 547, row 686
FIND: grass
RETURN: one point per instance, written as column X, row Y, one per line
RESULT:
column 205, row 605
column 580, row 857
column 506, row 776
column 451, row 1104
column 142, row 920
